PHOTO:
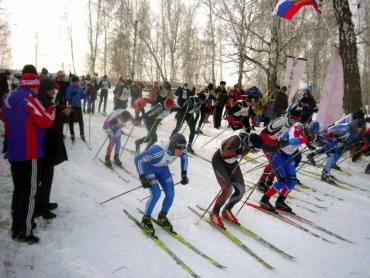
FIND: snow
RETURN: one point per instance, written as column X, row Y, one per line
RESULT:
column 91, row 240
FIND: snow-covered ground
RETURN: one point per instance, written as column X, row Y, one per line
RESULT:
column 91, row 240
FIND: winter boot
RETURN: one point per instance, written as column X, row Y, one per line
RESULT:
column 311, row 159
column 83, row 137
column 280, row 204
column 73, row 138
column 107, row 161
column 325, row 176
column 190, row 149
column 265, row 204
column 147, row 225
column 164, row 222
column 21, row 237
column 116, row 160
column 230, row 216
column 216, row 220
column 367, row 170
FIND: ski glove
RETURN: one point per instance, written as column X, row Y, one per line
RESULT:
column 145, row 181
column 184, row 178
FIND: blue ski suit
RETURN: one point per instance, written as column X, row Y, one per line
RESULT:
column 153, row 163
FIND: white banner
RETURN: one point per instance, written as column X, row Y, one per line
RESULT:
column 295, row 69
column 331, row 103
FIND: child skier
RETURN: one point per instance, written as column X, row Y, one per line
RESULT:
column 225, row 164
column 283, row 165
column 113, row 126
column 152, row 166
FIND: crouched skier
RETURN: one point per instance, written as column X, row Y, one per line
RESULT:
column 113, row 126
column 152, row 166
column 284, row 165
column 225, row 163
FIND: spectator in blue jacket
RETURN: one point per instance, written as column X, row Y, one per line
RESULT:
column 25, row 120
column 75, row 95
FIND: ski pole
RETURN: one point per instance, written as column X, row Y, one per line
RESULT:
column 200, row 129
column 106, row 138
column 183, row 118
column 254, row 187
column 128, row 137
column 213, row 138
column 151, row 195
column 126, row 192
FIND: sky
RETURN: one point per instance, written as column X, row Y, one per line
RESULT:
column 47, row 19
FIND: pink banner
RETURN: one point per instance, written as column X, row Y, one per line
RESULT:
column 331, row 103
column 295, row 69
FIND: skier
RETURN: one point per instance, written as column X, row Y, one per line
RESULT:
column 334, row 141
column 139, row 106
column 270, row 135
column 152, row 166
column 190, row 107
column 283, row 165
column 152, row 119
column 240, row 113
column 183, row 93
column 225, row 164
column 113, row 126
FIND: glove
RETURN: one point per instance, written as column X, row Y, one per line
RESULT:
column 145, row 181
column 184, row 178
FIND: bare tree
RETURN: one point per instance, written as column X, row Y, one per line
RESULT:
column 94, row 12
column 348, row 51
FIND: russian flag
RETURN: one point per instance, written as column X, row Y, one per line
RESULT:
column 288, row 8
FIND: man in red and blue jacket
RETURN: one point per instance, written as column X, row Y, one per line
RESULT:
column 25, row 120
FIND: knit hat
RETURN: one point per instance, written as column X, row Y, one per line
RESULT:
column 46, row 85
column 29, row 80
column 168, row 103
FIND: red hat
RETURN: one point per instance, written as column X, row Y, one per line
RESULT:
column 29, row 80
column 169, row 102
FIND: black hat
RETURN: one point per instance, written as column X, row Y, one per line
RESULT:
column 75, row 78
column 46, row 85
column 177, row 141
column 29, row 69
column 222, row 83
column 210, row 86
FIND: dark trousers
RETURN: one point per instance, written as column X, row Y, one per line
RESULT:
column 103, row 97
column 217, row 116
column 189, row 119
column 76, row 116
column 25, row 179
column 151, row 125
column 46, row 180
column 202, row 114
column 230, row 178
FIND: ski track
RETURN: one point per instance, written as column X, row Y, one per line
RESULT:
column 88, row 240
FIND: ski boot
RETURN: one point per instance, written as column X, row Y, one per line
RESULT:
column 216, row 220
column 311, row 159
column 227, row 214
column 190, row 149
column 83, row 138
column 280, row 204
column 336, row 167
column 265, row 204
column 147, row 225
column 116, row 160
column 325, row 176
column 199, row 131
column 164, row 222
column 107, row 162
column 73, row 138
column 262, row 187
